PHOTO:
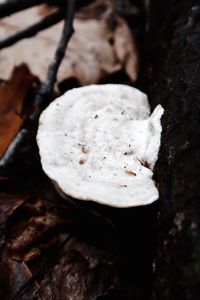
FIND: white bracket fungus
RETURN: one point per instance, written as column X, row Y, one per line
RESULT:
column 100, row 143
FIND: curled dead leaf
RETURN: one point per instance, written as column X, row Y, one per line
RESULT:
column 13, row 95
column 101, row 45
column 37, row 228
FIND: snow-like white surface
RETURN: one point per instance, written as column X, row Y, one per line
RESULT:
column 100, row 143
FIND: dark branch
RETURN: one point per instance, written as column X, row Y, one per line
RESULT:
column 44, row 95
column 13, row 6
column 46, row 22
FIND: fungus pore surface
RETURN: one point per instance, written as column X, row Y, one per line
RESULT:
column 100, row 143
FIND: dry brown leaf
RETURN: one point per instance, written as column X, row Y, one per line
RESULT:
column 14, row 274
column 8, row 204
column 84, row 271
column 12, row 97
column 35, row 230
column 101, row 45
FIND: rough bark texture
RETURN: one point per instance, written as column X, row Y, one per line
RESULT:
column 175, row 83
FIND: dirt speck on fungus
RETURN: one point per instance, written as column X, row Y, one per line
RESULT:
column 82, row 161
column 85, row 150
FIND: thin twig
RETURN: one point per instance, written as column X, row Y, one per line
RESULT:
column 13, row 6
column 44, row 95
column 32, row 30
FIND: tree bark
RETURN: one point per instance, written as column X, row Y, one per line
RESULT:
column 174, row 49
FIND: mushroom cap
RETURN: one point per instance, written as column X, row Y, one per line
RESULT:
column 100, row 143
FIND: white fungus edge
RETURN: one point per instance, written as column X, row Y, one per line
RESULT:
column 66, row 192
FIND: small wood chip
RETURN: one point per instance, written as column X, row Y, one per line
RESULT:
column 144, row 163
column 128, row 172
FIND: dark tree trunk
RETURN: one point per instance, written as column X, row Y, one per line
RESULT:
column 175, row 83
